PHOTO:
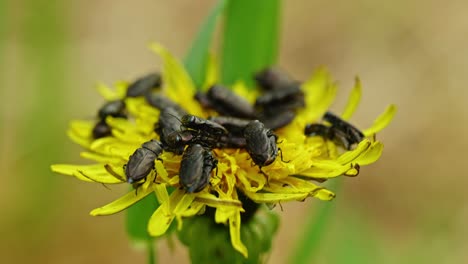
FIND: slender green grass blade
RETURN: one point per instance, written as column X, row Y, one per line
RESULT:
column 313, row 232
column 3, row 27
column 197, row 58
column 250, row 40
column 356, row 243
column 44, row 77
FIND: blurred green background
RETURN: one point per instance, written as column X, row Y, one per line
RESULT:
column 407, row 208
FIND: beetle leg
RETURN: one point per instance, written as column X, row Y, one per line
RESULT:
column 281, row 155
column 138, row 184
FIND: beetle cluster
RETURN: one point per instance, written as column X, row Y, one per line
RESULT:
column 239, row 124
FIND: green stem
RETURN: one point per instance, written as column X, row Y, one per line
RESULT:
column 151, row 252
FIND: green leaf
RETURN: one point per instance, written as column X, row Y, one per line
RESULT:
column 250, row 40
column 138, row 216
column 313, row 231
column 197, row 58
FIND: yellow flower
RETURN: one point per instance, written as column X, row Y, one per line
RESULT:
column 308, row 159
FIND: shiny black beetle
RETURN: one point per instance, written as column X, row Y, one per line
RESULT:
column 144, row 85
column 353, row 134
column 168, row 124
column 203, row 126
column 196, row 167
column 234, row 125
column 340, row 131
column 114, row 108
column 328, row 132
column 260, row 143
column 272, row 79
column 226, row 102
column 141, row 162
column 161, row 102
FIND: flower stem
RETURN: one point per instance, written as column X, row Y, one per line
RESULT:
column 151, row 252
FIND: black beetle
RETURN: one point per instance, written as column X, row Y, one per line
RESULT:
column 204, row 126
column 178, row 139
column 291, row 94
column 234, row 125
column 144, row 84
column 101, row 129
column 331, row 133
column 169, row 122
column 278, row 120
column 226, row 102
column 161, row 102
column 353, row 134
column 114, row 108
column 260, row 143
column 272, row 79
column 340, row 131
column 141, row 162
column 203, row 99
column 195, row 168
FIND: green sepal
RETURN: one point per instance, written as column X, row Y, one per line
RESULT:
column 209, row 242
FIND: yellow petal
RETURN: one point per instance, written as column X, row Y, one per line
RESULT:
column 182, row 207
column 162, row 218
column 353, row 100
column 175, row 75
column 113, row 147
column 162, row 194
column 276, row 197
column 320, row 93
column 101, row 158
column 298, row 186
column 382, row 121
column 80, row 132
column 351, row 155
column 160, row 221
column 371, row 155
column 89, row 173
column 121, row 89
column 323, row 170
column 213, row 201
column 85, row 142
column 234, row 230
column 195, row 208
column 106, row 92
column 177, row 81
column 122, row 203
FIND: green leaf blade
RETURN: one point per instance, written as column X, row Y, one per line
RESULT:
column 196, row 60
column 250, row 42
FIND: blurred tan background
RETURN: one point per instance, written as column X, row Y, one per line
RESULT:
column 411, row 205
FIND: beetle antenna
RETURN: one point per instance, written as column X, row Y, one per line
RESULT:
column 111, row 171
column 86, row 176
